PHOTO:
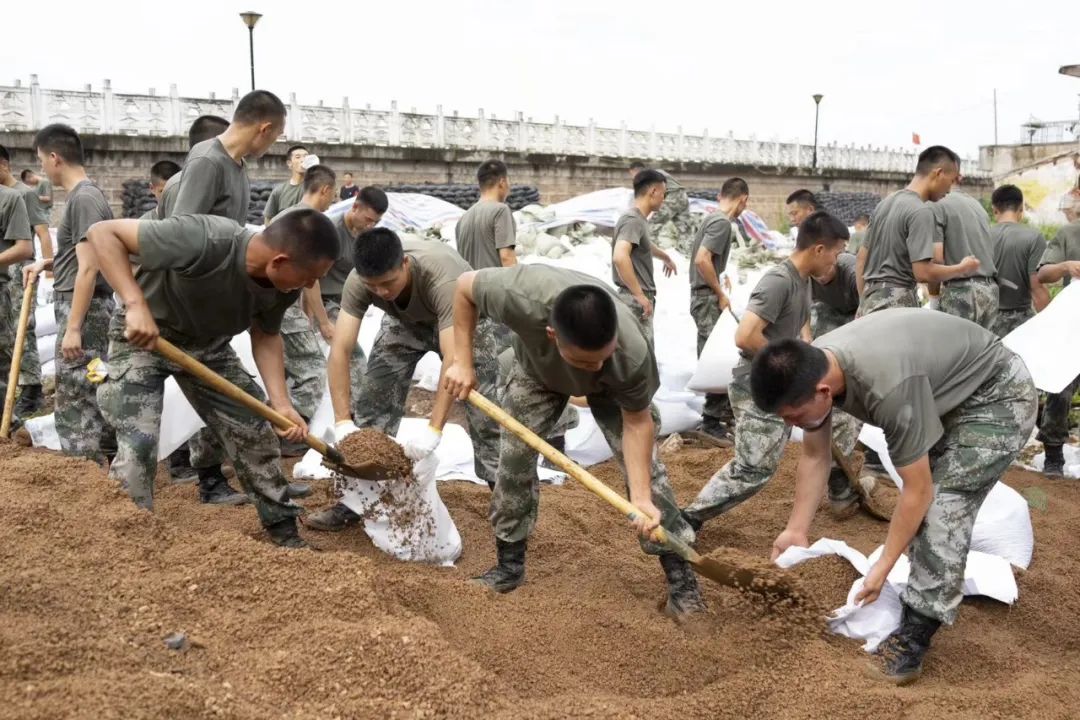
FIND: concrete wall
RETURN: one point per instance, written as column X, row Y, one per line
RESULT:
column 1001, row 160
column 112, row 159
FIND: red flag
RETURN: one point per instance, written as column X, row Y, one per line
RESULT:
column 915, row 139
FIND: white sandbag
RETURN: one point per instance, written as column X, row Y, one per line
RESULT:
column 46, row 347
column 42, row 431
column 48, row 369
column 44, row 321
column 676, row 414
column 179, row 421
column 585, row 444
column 1052, row 356
column 718, row 358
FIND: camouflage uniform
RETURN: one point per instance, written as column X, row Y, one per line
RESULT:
column 398, row 347
column 983, row 436
column 705, row 310
column 30, row 368
column 1009, row 320
column 305, row 364
column 132, row 397
column 675, row 210
column 80, row 423
column 760, row 438
column 358, row 362
column 639, row 312
column 1054, row 424
column 569, row 418
column 881, row 296
column 516, row 499
column 974, row 299
column 824, row 318
column 7, row 335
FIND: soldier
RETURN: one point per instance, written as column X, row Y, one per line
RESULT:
column 571, row 338
column 1061, row 261
column 82, row 299
column 31, row 397
column 412, row 281
column 963, row 229
column 862, row 222
column 288, row 193
column 160, row 172
column 1018, row 248
column 486, row 234
column 633, row 250
column 954, row 419
column 203, row 279
column 205, row 127
column 708, row 261
column 15, row 247
column 898, row 251
column 779, row 308
column 675, row 210
column 800, row 205
column 348, row 189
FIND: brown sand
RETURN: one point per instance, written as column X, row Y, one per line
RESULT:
column 90, row 587
column 371, row 446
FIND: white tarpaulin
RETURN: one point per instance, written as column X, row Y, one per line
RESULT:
column 1052, row 356
column 601, row 208
column 409, row 211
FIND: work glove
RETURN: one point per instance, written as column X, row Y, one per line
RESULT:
column 423, row 445
column 344, row 428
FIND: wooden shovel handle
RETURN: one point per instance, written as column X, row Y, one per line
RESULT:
column 222, row 386
column 17, row 354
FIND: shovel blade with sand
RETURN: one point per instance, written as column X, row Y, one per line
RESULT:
column 724, row 573
column 332, row 457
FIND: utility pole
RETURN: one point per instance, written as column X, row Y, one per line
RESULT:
column 250, row 18
column 995, row 117
column 817, row 113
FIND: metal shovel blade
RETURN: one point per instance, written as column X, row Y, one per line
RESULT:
column 363, row 471
column 746, row 580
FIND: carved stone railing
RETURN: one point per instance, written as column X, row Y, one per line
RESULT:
column 31, row 107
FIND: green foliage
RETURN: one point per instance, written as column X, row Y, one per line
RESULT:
column 1048, row 231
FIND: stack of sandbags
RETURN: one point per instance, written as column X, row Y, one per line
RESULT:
column 260, row 192
column 848, row 205
column 138, row 199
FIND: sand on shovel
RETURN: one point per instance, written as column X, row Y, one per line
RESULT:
column 371, row 446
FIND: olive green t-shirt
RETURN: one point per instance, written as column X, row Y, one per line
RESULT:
column 167, row 202
column 841, row 293
column 963, row 228
column 1017, row 251
column 901, row 232
column 85, row 206
column 434, row 269
column 782, row 299
column 282, row 197
column 521, row 298
column 334, row 282
column 14, row 224
column 45, row 189
column 35, row 211
column 212, row 183
column 482, row 231
column 1064, row 246
column 714, row 235
column 634, row 229
column 904, row 386
column 193, row 272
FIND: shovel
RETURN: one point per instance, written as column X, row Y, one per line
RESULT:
column 17, row 355
column 720, row 572
column 332, row 458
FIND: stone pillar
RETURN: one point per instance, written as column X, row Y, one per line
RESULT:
column 624, row 149
column 482, row 130
column 346, row 121
column 175, row 112
column 294, row 127
column 37, row 105
column 108, row 109
column 394, row 131
column 590, row 138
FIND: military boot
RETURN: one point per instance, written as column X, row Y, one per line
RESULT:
column 214, row 488
column 684, row 596
column 333, row 519
column 1054, row 465
column 180, row 470
column 30, row 401
column 285, row 534
column 510, row 570
column 843, row 500
column 899, row 659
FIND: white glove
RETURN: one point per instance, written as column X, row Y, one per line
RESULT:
column 343, row 428
column 424, row 444
column 935, row 302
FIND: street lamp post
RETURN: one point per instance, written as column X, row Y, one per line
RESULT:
column 250, row 18
column 817, row 112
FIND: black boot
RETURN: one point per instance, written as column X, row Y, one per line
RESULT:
column 1054, row 466
column 333, row 519
column 559, row 443
column 684, row 597
column 843, row 501
column 214, row 488
column 30, row 401
column 180, row 470
column 510, row 570
column 285, row 534
column 693, row 522
column 715, row 428
column 900, row 657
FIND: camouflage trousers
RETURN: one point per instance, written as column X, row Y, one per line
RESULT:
column 670, row 226
column 879, row 296
column 131, row 400
column 357, row 363
column 569, row 418
column 82, row 428
column 8, row 328
column 760, row 438
column 1054, row 423
column 398, row 348
column 824, row 319
column 982, row 438
column 1009, row 320
column 639, row 312
column 30, row 367
column 305, row 364
column 972, row 299
column 516, row 499
column 705, row 310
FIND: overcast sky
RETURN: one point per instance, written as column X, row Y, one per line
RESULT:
column 886, row 70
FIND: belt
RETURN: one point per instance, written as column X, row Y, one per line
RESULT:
column 626, row 291
column 964, row 281
column 69, row 294
column 888, row 283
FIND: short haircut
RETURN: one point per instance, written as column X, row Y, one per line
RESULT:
column 1007, row 198
column 62, row 140
column 584, row 316
column 374, row 198
column 733, row 188
column 317, row 177
column 377, row 252
column 162, row 170
column 821, row 228
column 637, row 165
column 289, row 152
column 4, row 154
column 646, row 179
column 785, row 373
column 305, row 234
column 25, row 174
column 348, row 174
column 936, row 156
column 259, row 106
column 863, row 218
column 803, row 197
column 204, row 128
column 491, row 172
